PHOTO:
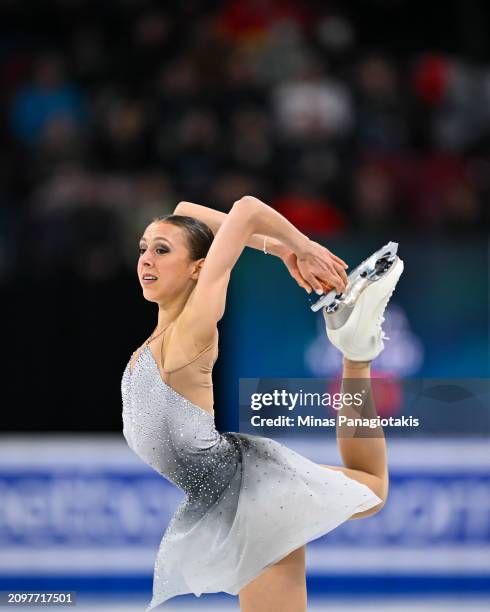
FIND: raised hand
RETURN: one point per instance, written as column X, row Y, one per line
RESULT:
column 318, row 270
column 290, row 261
column 321, row 269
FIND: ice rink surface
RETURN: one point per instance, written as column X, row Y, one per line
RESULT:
column 314, row 605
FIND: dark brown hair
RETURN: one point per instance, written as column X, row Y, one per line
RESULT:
column 199, row 235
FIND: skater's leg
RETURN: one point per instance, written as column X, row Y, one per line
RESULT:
column 360, row 339
column 279, row 588
column 363, row 449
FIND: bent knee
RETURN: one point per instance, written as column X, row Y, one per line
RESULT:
column 378, row 507
column 381, row 490
column 382, row 493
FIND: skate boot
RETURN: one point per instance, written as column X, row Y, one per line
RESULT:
column 353, row 319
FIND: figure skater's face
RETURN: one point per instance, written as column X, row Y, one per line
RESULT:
column 165, row 255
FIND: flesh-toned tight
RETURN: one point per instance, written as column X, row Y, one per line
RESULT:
column 282, row 587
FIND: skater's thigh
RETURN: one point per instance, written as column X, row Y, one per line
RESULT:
column 377, row 484
column 279, row 588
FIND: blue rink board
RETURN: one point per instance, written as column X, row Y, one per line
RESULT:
column 84, row 514
column 319, row 585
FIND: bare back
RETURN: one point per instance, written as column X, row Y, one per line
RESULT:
column 183, row 365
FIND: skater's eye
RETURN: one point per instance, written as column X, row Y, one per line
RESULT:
column 161, row 250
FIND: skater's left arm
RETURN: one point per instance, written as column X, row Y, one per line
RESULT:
column 205, row 307
column 214, row 219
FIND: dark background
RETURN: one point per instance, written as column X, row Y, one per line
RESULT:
column 114, row 112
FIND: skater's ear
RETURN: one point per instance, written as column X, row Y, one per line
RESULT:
column 197, row 267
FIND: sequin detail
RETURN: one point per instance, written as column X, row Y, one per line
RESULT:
column 249, row 500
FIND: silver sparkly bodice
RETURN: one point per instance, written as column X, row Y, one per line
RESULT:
column 174, row 436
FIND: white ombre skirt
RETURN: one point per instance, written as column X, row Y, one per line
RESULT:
column 250, row 500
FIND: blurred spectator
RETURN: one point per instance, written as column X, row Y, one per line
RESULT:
column 461, row 209
column 381, row 117
column 177, row 86
column 312, row 106
column 335, row 33
column 457, row 99
column 241, row 85
column 232, row 185
column 430, row 79
column 151, row 29
column 308, row 212
column 281, row 55
column 198, row 150
column 464, row 116
column 90, row 62
column 63, row 189
column 375, row 198
column 245, row 20
column 209, row 52
column 251, row 138
column 123, row 140
column 139, row 105
column 47, row 99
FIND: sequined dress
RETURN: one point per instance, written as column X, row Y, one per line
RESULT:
column 249, row 501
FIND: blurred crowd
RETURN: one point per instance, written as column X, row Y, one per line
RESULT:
column 114, row 112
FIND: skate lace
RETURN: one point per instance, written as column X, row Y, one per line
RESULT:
column 381, row 318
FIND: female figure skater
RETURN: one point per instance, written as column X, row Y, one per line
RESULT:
column 251, row 503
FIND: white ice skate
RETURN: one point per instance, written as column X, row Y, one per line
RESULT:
column 353, row 319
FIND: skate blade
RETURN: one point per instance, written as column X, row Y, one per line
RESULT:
column 373, row 268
